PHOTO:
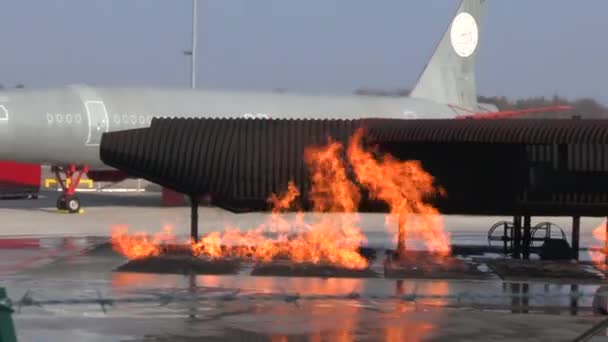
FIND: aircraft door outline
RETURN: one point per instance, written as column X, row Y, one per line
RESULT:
column 3, row 113
column 98, row 121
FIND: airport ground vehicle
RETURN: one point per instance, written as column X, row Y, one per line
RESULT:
column 19, row 180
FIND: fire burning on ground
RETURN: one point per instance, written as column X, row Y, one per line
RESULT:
column 329, row 239
column 404, row 186
column 140, row 245
column 599, row 258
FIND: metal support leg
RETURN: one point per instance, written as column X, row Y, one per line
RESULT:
column 527, row 237
column 505, row 242
column 576, row 233
column 401, row 238
column 516, row 237
column 194, row 218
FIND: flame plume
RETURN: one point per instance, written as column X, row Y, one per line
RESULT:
column 404, row 186
column 327, row 239
column 599, row 258
column 139, row 245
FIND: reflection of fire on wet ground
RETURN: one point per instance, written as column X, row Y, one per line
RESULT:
column 330, row 244
column 309, row 270
column 420, row 264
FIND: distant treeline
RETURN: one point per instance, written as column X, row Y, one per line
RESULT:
column 375, row 92
column 18, row 86
column 585, row 107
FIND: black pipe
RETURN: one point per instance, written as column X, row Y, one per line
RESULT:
column 194, row 218
column 576, row 233
column 527, row 237
column 516, row 237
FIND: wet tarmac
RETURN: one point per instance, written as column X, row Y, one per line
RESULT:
column 63, row 289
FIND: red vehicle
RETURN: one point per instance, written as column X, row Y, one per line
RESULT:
column 19, row 180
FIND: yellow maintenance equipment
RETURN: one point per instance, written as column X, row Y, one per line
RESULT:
column 52, row 181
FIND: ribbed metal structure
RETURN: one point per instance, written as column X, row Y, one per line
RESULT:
column 239, row 161
column 501, row 167
column 491, row 131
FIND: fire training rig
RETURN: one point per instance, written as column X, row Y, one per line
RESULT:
column 520, row 168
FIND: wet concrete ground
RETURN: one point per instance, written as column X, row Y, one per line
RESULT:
column 64, row 290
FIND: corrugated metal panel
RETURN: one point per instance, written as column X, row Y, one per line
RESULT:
column 513, row 163
column 244, row 159
column 558, row 131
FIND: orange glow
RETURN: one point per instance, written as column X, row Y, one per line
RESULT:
column 405, row 187
column 402, row 324
column 331, row 188
column 599, row 258
column 408, row 331
column 307, row 286
column 286, row 200
column 139, row 245
column 327, row 239
column 127, row 280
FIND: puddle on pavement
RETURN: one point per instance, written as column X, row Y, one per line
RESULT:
column 245, row 307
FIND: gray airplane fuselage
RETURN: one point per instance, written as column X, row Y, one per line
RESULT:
column 63, row 126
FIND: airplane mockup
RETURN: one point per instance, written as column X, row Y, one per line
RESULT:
column 62, row 127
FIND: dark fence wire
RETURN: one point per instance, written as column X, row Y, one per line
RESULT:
column 186, row 296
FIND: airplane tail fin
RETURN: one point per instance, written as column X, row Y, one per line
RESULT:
column 449, row 76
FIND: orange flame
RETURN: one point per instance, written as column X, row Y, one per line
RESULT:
column 332, row 191
column 404, row 186
column 599, row 258
column 139, row 245
column 286, row 200
column 326, row 240
column 331, row 188
column 332, row 239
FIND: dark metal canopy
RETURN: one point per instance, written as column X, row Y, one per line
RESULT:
column 487, row 167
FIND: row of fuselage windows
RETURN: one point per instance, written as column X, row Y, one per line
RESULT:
column 119, row 120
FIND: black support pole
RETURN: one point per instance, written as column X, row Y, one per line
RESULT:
column 505, row 242
column 576, row 233
column 527, row 237
column 516, row 236
column 401, row 249
column 194, row 218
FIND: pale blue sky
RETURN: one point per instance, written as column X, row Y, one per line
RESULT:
column 528, row 47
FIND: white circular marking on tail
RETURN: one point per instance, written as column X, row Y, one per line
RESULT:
column 464, row 34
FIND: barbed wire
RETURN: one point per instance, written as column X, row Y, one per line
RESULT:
column 188, row 295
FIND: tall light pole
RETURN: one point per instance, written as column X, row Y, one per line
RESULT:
column 193, row 48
